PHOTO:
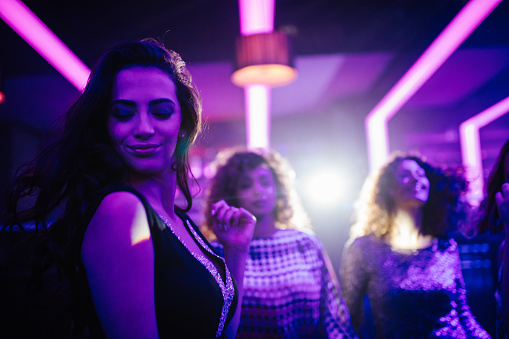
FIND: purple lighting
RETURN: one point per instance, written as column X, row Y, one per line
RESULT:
column 24, row 22
column 463, row 24
column 257, row 115
column 257, row 16
column 471, row 146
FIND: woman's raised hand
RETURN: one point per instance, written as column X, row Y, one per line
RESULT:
column 233, row 226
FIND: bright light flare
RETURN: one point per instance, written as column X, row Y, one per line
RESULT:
column 325, row 187
column 463, row 24
column 24, row 22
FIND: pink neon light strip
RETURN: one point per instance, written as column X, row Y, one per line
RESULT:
column 257, row 16
column 257, row 104
column 24, row 22
column 471, row 146
column 463, row 24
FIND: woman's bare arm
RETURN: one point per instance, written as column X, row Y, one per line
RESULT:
column 118, row 256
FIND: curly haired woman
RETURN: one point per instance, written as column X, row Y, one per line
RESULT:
column 400, row 257
column 290, row 290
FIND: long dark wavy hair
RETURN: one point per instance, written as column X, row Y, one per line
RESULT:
column 232, row 164
column 73, row 170
column 443, row 211
column 488, row 216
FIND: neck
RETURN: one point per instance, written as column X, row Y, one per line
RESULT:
column 265, row 226
column 406, row 230
column 159, row 192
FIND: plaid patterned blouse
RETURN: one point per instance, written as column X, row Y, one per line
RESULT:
column 290, row 290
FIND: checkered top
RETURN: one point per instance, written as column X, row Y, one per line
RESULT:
column 290, row 290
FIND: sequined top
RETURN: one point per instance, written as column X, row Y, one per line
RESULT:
column 193, row 299
column 290, row 290
column 413, row 293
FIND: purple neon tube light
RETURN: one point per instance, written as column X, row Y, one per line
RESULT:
column 471, row 146
column 463, row 24
column 24, row 22
column 257, row 16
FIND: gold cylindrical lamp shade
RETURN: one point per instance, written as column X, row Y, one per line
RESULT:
column 264, row 58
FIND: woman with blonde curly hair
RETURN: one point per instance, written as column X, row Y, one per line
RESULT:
column 290, row 290
column 399, row 254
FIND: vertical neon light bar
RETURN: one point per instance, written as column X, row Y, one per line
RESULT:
column 258, row 102
column 257, row 16
column 463, row 24
column 24, row 22
column 471, row 146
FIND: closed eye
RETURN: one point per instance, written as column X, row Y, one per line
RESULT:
column 122, row 114
column 162, row 108
column 163, row 114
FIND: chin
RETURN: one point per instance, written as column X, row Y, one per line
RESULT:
column 147, row 169
column 422, row 199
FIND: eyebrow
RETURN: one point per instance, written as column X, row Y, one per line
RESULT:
column 133, row 104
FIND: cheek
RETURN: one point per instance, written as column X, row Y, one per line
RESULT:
column 116, row 131
column 242, row 197
column 273, row 192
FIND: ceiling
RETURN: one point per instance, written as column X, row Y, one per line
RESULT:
column 349, row 53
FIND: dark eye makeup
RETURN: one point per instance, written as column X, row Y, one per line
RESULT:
column 162, row 109
column 122, row 113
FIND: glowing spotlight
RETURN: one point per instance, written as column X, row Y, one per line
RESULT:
column 325, row 188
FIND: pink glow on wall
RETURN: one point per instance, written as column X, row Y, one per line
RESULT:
column 24, row 22
column 256, row 16
column 257, row 102
column 471, row 146
column 463, row 24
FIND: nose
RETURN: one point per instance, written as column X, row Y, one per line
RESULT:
column 144, row 128
column 258, row 187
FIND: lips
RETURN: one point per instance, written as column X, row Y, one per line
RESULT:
column 259, row 203
column 143, row 150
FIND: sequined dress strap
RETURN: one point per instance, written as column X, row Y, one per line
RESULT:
column 228, row 290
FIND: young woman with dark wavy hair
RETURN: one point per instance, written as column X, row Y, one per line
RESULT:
column 136, row 265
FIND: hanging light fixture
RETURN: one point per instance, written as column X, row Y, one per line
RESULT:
column 264, row 58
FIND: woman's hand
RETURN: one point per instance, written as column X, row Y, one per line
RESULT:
column 234, row 229
column 502, row 199
column 233, row 226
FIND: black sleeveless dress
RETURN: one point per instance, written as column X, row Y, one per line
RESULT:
column 192, row 299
